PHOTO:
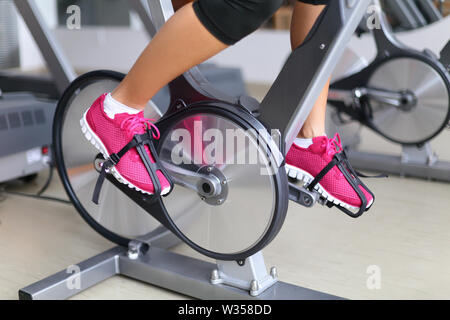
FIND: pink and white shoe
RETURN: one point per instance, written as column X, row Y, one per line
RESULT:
column 111, row 136
column 324, row 168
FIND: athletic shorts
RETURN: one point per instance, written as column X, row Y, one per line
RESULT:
column 231, row 20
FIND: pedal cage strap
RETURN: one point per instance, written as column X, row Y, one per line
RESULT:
column 139, row 142
column 340, row 160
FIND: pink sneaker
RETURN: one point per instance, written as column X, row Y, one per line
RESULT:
column 307, row 165
column 110, row 136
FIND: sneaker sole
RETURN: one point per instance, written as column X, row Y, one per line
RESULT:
column 305, row 177
column 98, row 144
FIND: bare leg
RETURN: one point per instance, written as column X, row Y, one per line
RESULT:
column 182, row 43
column 303, row 19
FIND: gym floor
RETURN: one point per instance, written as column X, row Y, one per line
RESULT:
column 405, row 235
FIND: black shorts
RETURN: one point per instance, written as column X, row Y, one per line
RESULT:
column 317, row 2
column 231, row 20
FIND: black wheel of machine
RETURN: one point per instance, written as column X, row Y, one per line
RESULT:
column 75, row 163
column 428, row 83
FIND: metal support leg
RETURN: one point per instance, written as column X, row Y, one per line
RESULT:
column 75, row 279
column 178, row 273
column 250, row 275
column 421, row 155
column 414, row 162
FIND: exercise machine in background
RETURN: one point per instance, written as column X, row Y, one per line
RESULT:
column 28, row 102
column 403, row 95
column 409, row 15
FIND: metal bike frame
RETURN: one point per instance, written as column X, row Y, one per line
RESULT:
column 285, row 108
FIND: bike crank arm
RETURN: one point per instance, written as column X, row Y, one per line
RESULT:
column 397, row 99
column 205, row 184
column 303, row 196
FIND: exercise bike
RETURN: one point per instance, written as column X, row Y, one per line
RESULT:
column 227, row 212
column 403, row 95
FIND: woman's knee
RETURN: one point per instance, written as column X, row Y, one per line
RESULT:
column 232, row 20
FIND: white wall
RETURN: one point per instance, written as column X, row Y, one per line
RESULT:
column 102, row 48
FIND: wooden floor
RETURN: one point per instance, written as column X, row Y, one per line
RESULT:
column 406, row 236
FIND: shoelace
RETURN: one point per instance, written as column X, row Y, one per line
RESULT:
column 333, row 146
column 136, row 124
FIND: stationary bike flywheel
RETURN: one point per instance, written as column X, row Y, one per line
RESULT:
column 236, row 204
column 428, row 111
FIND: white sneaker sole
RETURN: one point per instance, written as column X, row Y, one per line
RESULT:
column 305, row 177
column 98, row 144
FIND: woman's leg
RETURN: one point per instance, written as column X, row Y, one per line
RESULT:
column 182, row 43
column 303, row 19
column 311, row 153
